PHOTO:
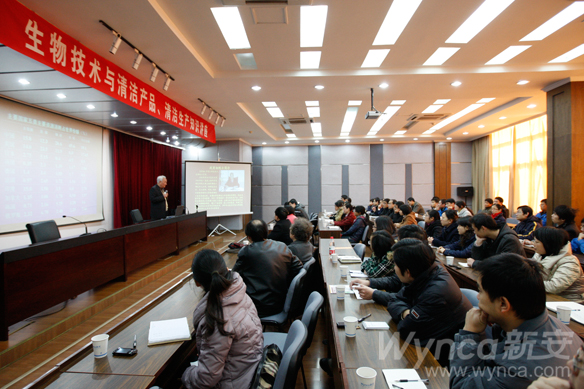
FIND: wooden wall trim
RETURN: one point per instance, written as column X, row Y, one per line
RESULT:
column 442, row 180
column 577, row 95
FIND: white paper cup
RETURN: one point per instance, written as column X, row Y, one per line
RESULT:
column 450, row 260
column 350, row 326
column 366, row 377
column 340, row 292
column 344, row 271
column 564, row 314
column 100, row 345
column 335, row 258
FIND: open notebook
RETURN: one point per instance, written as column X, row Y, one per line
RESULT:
column 168, row 331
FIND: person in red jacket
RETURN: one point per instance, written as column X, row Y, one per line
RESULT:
column 348, row 217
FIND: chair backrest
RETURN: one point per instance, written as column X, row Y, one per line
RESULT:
column 136, row 216
column 310, row 316
column 309, row 264
column 291, row 356
column 422, row 225
column 43, row 231
column 294, row 293
column 360, row 250
column 365, row 237
column 471, row 295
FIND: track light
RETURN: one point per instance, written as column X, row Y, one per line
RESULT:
column 154, row 72
column 217, row 120
column 116, row 43
column 222, row 122
column 204, row 109
column 166, row 83
column 211, row 114
column 137, row 59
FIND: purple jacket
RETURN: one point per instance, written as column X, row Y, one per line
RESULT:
column 227, row 362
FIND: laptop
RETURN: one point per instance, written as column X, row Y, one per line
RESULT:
column 180, row 210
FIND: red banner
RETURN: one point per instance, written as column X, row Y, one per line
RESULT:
column 26, row 32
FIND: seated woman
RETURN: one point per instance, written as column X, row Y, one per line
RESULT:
column 433, row 226
column 497, row 214
column 300, row 232
column 348, row 217
column 281, row 231
column 408, row 216
column 338, row 215
column 562, row 273
column 385, row 210
column 449, row 229
column 563, row 217
column 381, row 262
column 355, row 233
column 228, row 330
column 384, row 223
column 462, row 248
column 291, row 216
column 578, row 243
column 462, row 210
column 397, row 217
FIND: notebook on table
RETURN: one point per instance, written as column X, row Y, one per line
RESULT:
column 168, row 331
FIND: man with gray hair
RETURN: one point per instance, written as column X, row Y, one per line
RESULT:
column 158, row 199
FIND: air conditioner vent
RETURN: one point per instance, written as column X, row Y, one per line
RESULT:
column 260, row 3
column 296, row 121
column 428, row 117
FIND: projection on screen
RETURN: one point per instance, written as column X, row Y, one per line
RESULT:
column 220, row 188
column 50, row 165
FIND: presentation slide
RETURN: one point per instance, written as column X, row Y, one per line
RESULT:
column 220, row 188
column 51, row 166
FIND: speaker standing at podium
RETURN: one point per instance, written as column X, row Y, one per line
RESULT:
column 158, row 199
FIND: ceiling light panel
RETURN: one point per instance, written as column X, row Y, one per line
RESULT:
column 311, row 103
column 349, row 120
column 398, row 102
column 275, row 112
column 441, row 55
column 316, row 129
column 396, row 20
column 507, row 54
column 379, row 123
column 432, row 108
column 231, row 26
column 246, row 61
column 375, row 58
column 456, row 116
column 355, row 102
column 313, row 112
column 480, row 19
column 291, row 135
column 312, row 25
column 570, row 13
column 442, row 101
column 269, row 104
column 570, row 55
column 309, row 59
column 485, row 100
column 400, row 132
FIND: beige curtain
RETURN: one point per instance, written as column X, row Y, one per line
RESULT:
column 480, row 172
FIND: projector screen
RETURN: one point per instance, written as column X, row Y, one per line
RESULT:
column 51, row 166
column 220, row 188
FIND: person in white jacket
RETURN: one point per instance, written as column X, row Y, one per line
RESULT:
column 563, row 273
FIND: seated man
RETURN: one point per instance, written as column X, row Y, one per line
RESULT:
column 492, row 239
column 416, row 207
column 396, row 216
column 267, row 268
column 542, row 216
column 488, row 205
column 435, row 203
column 525, row 338
column 301, row 232
column 385, row 207
column 281, row 231
column 450, row 204
column 428, row 306
column 499, row 201
column 298, row 207
column 527, row 223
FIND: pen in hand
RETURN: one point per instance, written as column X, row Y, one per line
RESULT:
column 363, row 318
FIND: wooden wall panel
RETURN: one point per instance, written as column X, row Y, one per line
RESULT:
column 577, row 138
column 442, row 170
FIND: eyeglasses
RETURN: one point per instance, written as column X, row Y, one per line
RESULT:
column 578, row 362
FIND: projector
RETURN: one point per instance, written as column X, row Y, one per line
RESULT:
column 372, row 115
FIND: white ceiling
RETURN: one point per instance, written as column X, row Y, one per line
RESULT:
column 183, row 37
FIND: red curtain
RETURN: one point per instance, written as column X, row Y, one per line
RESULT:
column 137, row 163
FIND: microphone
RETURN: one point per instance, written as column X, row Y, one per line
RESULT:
column 86, row 233
column 197, row 208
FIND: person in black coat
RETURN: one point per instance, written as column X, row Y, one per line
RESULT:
column 563, row 217
column 449, row 229
column 158, row 199
column 433, row 225
column 281, row 231
column 528, row 223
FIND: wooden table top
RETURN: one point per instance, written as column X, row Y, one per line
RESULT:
column 97, row 381
column 364, row 349
column 325, row 230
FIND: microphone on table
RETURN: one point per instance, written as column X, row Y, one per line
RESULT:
column 197, row 208
column 86, row 233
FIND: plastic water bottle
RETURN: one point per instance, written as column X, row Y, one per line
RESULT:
column 332, row 246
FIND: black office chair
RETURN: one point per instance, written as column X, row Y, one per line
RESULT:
column 136, row 216
column 43, row 231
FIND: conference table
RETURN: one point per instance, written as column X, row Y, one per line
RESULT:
column 364, row 350
column 39, row 276
column 326, row 230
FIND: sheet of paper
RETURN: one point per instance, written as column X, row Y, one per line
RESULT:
column 375, row 325
column 357, row 294
column 463, row 264
column 393, row 375
column 357, row 274
column 577, row 309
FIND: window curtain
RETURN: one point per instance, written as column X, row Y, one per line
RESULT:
column 137, row 163
column 480, row 172
column 519, row 163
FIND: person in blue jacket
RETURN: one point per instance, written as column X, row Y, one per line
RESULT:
column 449, row 229
column 542, row 216
column 355, row 233
column 578, row 243
column 462, row 248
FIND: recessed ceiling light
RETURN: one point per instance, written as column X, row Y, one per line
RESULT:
column 309, row 59
column 427, row 132
column 61, row 95
column 381, row 140
column 465, row 133
column 167, row 140
column 448, row 138
column 269, row 104
column 319, row 87
column 316, row 141
column 432, row 108
column 482, row 126
column 231, row 26
column 558, row 21
column 291, row 135
column 522, row 82
column 133, row 122
column 275, row 112
column 149, row 128
column 375, row 58
column 415, row 138
column 256, row 88
column 347, row 141
column 114, row 115
column 397, row 102
column 313, row 112
column 286, row 142
column 316, row 128
column 383, row 85
column 396, row 20
column 480, row 18
column 387, row 114
column 400, row 132
column 485, row 100
column 441, row 55
column 162, row 132
column 264, row 143
column 24, row 81
column 456, row 83
column 174, row 137
column 503, row 117
column 312, row 25
column 456, row 116
column 507, row 54
column 532, row 106
column 177, row 143
column 570, row 55
column 91, row 106
column 441, row 101
column 354, row 102
column 311, row 103
column 349, row 119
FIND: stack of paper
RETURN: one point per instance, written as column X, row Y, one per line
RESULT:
column 168, row 331
column 393, row 376
column 357, row 274
column 577, row 309
column 349, row 259
column 375, row 325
